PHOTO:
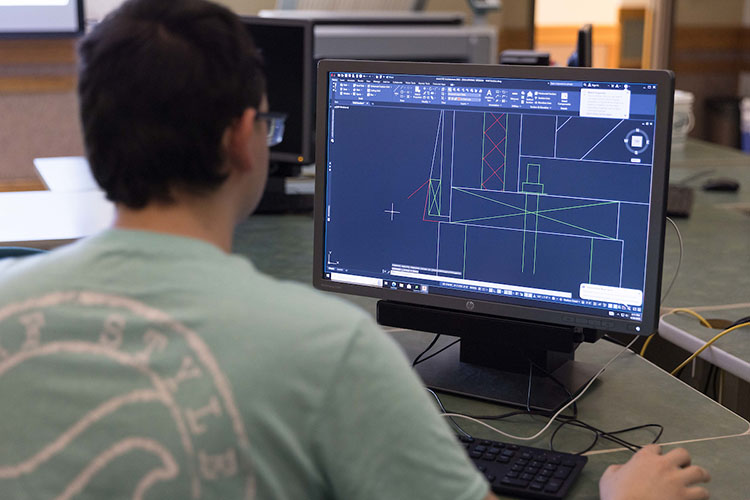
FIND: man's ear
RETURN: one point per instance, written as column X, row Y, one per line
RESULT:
column 236, row 140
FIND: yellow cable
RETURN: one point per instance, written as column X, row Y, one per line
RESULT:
column 646, row 343
column 685, row 310
column 703, row 321
column 707, row 345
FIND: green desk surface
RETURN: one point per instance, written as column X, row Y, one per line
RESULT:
column 700, row 154
column 714, row 278
column 631, row 392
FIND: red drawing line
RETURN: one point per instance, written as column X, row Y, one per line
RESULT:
column 497, row 120
column 494, row 173
column 495, row 146
column 420, row 187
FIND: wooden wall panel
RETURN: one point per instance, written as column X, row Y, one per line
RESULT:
column 38, row 111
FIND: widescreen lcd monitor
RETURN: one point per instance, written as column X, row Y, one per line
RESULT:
column 531, row 194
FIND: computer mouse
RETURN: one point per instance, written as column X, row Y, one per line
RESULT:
column 721, row 184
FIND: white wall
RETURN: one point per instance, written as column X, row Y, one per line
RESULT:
column 575, row 12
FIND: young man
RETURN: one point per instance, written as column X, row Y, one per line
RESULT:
column 147, row 362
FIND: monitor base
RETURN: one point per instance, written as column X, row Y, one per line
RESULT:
column 447, row 373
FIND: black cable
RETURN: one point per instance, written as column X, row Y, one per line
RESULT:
column 608, row 435
column 559, row 383
column 417, row 360
column 708, row 379
column 442, row 408
column 746, row 319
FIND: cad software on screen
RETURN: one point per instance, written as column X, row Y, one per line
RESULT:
column 525, row 192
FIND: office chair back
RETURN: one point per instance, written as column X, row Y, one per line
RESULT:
column 18, row 251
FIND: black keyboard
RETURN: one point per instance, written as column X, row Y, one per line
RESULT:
column 522, row 471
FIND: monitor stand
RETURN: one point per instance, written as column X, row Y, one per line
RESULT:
column 492, row 361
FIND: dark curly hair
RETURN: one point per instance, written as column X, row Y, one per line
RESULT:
column 159, row 83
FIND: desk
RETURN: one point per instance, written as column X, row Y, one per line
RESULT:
column 631, row 392
column 45, row 219
column 66, row 173
column 715, row 275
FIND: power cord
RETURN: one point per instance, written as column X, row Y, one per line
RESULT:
column 679, row 260
column 685, row 310
column 555, row 416
column 708, row 344
column 420, row 359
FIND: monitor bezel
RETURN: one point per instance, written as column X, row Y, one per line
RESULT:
column 655, row 240
column 26, row 35
column 306, row 152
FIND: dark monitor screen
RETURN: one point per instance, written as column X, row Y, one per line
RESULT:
column 585, row 47
column 532, row 193
column 286, row 46
column 40, row 18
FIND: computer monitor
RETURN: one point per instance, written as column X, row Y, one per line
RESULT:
column 584, row 54
column 520, row 208
column 286, row 46
column 41, row 18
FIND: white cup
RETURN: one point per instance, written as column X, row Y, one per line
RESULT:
column 683, row 119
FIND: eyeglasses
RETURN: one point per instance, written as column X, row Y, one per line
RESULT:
column 275, row 123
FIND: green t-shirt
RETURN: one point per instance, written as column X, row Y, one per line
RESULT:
column 144, row 365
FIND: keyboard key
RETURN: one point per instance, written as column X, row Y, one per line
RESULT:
column 526, row 455
column 480, row 448
column 536, row 463
column 494, row 450
column 514, row 482
column 553, row 485
column 550, row 467
column 554, row 460
column 512, row 446
column 541, row 479
column 490, row 457
column 562, row 472
column 545, row 472
column 536, row 486
column 486, row 442
column 521, row 461
column 475, row 454
column 490, row 477
column 517, row 468
column 526, row 476
column 569, row 462
column 466, row 439
column 512, row 474
column 508, row 453
column 503, row 459
column 540, row 457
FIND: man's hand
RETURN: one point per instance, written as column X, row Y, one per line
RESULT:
column 649, row 475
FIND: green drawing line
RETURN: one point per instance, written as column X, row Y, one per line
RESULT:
column 536, row 232
column 523, row 251
column 484, row 131
column 434, row 197
column 463, row 274
column 591, row 258
column 526, row 212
